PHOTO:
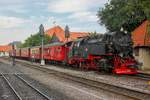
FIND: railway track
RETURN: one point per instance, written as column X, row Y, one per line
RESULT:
column 132, row 94
column 128, row 93
column 7, row 92
column 143, row 76
column 140, row 76
column 22, row 89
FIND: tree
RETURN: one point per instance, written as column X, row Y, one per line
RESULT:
column 16, row 43
column 92, row 34
column 127, row 14
column 35, row 40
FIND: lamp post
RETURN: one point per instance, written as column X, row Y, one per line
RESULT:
column 67, row 35
column 41, row 31
column 14, row 54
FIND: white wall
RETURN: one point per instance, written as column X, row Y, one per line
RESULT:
column 144, row 57
column 4, row 54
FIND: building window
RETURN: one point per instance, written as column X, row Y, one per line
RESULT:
column 136, row 51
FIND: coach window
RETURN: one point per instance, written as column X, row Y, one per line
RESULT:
column 34, row 51
column 55, row 51
column 59, row 49
column 48, row 51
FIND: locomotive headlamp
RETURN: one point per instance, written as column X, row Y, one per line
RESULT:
column 121, row 29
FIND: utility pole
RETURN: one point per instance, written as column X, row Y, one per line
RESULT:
column 41, row 32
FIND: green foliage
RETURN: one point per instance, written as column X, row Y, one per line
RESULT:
column 92, row 34
column 16, row 43
column 35, row 40
column 124, row 13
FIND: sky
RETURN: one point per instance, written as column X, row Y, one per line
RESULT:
column 21, row 18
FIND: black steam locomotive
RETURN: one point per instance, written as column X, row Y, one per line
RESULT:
column 111, row 52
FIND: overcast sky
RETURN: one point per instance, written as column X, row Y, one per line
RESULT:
column 21, row 18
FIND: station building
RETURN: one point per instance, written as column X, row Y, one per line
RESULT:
column 58, row 34
column 141, row 39
column 4, row 50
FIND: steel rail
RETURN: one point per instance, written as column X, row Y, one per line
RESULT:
column 38, row 91
column 18, row 96
column 140, row 76
column 143, row 76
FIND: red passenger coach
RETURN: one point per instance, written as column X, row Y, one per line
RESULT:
column 25, row 53
column 18, row 52
column 56, row 52
column 35, row 52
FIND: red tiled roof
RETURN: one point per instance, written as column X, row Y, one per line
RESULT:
column 140, row 35
column 59, row 32
column 5, row 48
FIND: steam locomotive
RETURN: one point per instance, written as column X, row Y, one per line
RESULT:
column 110, row 52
